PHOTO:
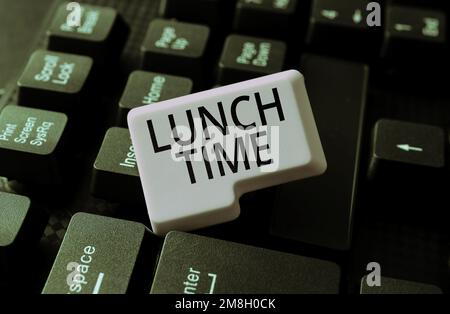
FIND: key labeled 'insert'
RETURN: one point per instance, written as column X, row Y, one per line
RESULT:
column 197, row 154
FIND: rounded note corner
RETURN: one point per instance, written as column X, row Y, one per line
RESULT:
column 234, row 213
column 320, row 166
column 158, row 231
column 131, row 116
column 294, row 74
column 233, row 203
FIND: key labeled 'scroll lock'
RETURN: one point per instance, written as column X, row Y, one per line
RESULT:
column 55, row 81
column 222, row 143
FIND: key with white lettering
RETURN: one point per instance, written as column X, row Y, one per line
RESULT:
column 404, row 150
column 101, row 32
column 245, row 57
column 192, row 264
column 115, row 175
column 54, row 81
column 197, row 154
column 349, row 28
column 412, row 33
column 31, row 144
column 101, row 255
column 175, row 48
column 145, row 88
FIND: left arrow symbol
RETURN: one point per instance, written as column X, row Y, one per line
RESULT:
column 408, row 148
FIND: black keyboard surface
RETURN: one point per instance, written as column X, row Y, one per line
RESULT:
column 367, row 90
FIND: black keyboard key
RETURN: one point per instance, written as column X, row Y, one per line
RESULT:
column 412, row 33
column 145, row 88
column 192, row 264
column 13, row 212
column 116, row 176
column 54, row 81
column 320, row 210
column 211, row 12
column 244, row 58
column 30, row 144
column 399, row 148
column 265, row 17
column 341, row 28
column 100, row 255
column 101, row 34
column 398, row 286
column 21, row 226
column 175, row 48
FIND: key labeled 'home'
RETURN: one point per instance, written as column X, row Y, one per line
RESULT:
column 145, row 88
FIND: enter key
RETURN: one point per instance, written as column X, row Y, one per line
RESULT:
column 192, row 264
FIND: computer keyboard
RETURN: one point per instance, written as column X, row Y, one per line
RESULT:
column 70, row 192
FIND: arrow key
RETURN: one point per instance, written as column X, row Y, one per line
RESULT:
column 412, row 32
column 399, row 148
column 344, row 28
